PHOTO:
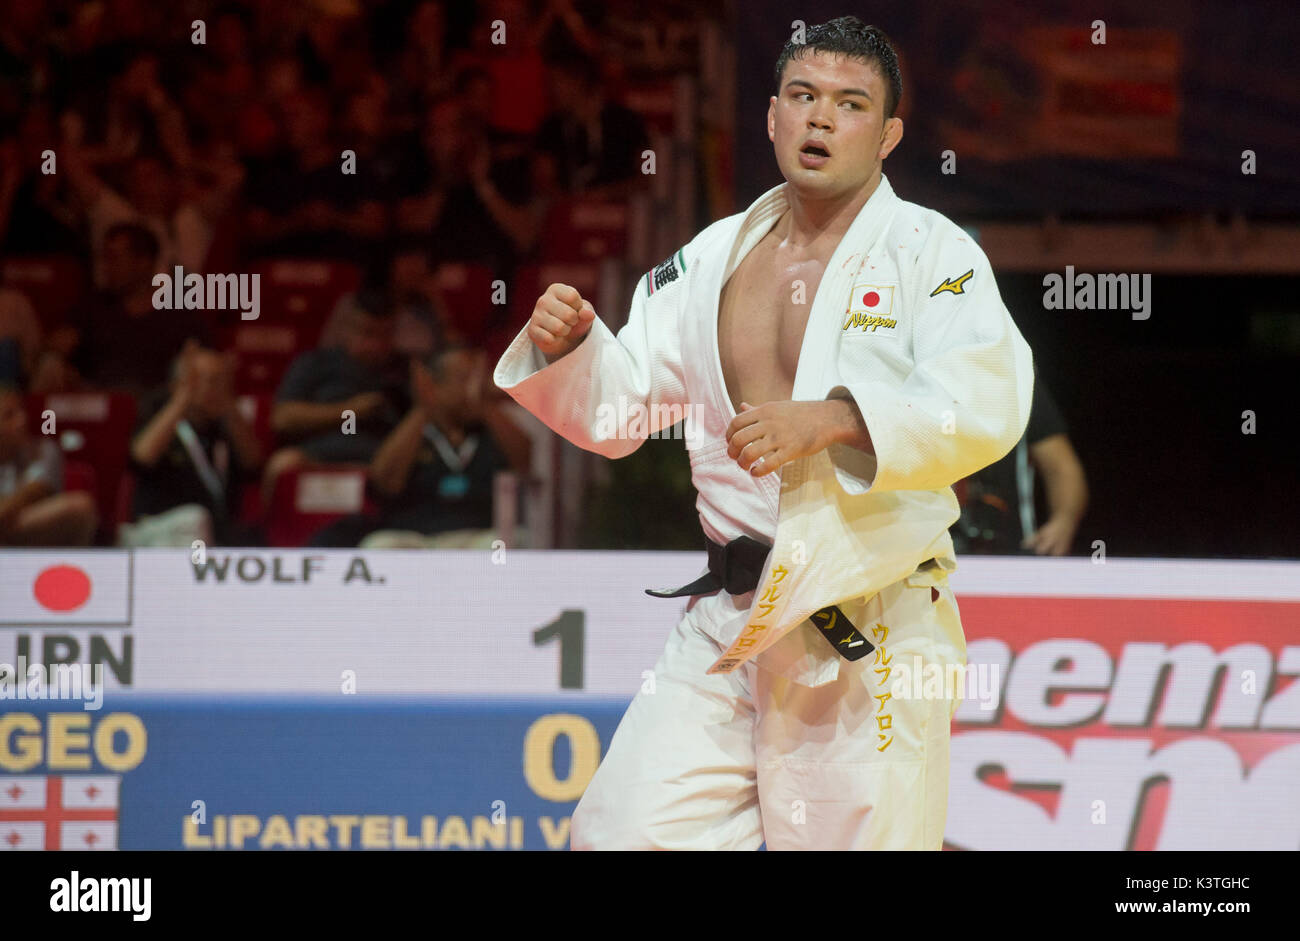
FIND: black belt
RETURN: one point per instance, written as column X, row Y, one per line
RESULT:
column 738, row 566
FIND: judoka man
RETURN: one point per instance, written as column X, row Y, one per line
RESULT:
column 849, row 358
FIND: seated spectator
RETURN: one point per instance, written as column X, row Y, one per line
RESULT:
column 593, row 145
column 419, row 324
column 191, row 456
column 33, row 509
column 121, row 341
column 360, row 375
column 434, row 474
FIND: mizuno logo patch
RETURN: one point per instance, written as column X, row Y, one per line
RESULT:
column 956, row 287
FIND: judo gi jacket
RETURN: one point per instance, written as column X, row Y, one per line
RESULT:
column 907, row 321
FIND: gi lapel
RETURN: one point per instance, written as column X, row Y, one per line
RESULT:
column 808, row 566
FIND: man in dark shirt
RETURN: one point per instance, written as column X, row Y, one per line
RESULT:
column 122, row 341
column 997, row 513
column 434, row 474
column 336, row 403
column 191, row 455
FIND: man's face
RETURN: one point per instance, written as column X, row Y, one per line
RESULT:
column 212, row 386
column 451, row 387
column 370, row 341
column 835, row 104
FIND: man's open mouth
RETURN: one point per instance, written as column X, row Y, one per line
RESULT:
column 816, row 149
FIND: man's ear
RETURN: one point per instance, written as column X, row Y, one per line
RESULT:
column 771, row 119
column 891, row 137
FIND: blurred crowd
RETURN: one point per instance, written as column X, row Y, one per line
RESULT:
column 387, row 142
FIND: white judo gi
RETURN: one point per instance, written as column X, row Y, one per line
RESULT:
column 756, row 729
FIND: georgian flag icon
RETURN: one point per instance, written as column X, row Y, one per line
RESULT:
column 53, row 812
column 68, row 587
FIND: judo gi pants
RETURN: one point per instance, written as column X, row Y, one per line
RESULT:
column 731, row 761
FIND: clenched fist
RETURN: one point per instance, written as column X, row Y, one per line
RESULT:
column 561, row 318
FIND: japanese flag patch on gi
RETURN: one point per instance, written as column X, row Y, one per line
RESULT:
column 871, row 310
column 666, row 273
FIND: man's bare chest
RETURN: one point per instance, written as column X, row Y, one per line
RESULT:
column 762, row 318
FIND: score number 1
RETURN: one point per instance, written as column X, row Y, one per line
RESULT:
column 570, row 628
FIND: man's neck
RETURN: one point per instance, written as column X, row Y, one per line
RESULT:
column 450, row 428
column 814, row 220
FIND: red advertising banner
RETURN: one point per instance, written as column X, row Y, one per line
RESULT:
column 1138, row 723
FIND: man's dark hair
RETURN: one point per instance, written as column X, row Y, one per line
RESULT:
column 142, row 242
column 849, row 36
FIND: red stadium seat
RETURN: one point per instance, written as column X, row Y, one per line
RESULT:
column 53, row 283
column 124, row 508
column 256, row 410
column 263, row 351
column 304, row 290
column 307, row 499
column 93, row 428
column 465, row 291
column 79, row 476
column 582, row 229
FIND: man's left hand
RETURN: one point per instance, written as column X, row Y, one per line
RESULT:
column 764, row 438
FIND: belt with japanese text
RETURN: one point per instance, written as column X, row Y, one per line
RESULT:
column 737, row 568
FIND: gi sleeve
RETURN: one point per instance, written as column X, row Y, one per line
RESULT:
column 610, row 393
column 967, row 399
